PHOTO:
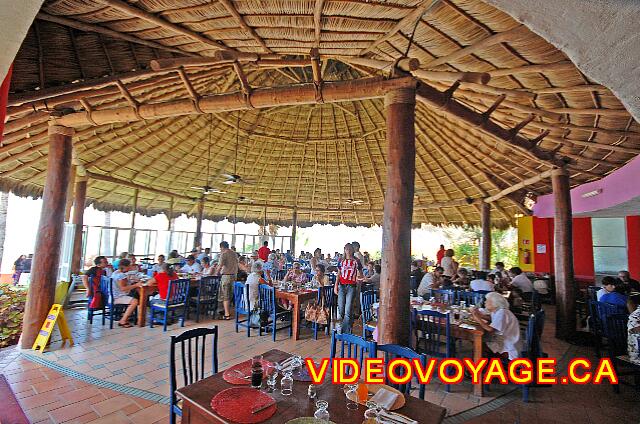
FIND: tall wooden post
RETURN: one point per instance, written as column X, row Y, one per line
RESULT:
column 70, row 191
column 170, row 225
column 485, row 246
column 398, row 214
column 132, row 232
column 78, row 218
column 563, row 256
column 46, row 259
column 197, row 240
column 294, row 230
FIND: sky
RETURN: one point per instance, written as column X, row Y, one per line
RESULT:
column 24, row 213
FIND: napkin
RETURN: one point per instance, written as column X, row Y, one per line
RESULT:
column 385, row 398
column 468, row 326
column 392, row 418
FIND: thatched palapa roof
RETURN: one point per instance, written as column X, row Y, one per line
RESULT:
column 325, row 158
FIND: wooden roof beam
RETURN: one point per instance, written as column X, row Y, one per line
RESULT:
column 442, row 102
column 82, row 26
column 301, row 94
column 163, row 23
column 233, row 12
column 522, row 184
column 564, row 65
column 317, row 21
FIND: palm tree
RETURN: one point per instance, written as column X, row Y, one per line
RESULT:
column 4, row 207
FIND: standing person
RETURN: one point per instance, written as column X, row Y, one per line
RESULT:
column 18, row 267
column 264, row 251
column 346, row 288
column 440, row 255
column 449, row 265
column 357, row 254
column 228, row 269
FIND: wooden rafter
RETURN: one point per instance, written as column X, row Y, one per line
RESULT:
column 317, row 21
column 233, row 12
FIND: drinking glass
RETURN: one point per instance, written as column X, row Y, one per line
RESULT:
column 286, row 384
column 372, row 410
column 351, row 392
column 272, row 377
column 322, row 412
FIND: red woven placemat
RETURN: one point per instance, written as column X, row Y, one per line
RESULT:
column 232, row 376
column 237, row 403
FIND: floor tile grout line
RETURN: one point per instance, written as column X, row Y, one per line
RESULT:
column 155, row 397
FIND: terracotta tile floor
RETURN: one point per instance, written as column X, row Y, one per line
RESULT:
column 136, row 358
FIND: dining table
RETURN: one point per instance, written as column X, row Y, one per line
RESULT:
column 147, row 290
column 196, row 401
column 296, row 298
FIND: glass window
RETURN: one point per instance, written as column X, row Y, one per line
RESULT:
column 609, row 245
column 609, row 260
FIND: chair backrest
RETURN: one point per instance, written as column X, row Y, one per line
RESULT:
column 106, row 289
column 443, row 295
column 616, row 330
column 592, row 292
column 436, row 333
column 367, row 299
column 533, row 335
column 150, row 272
column 208, row 288
column 393, row 351
column 471, row 298
column 241, row 298
column 178, row 291
column 281, row 274
column 603, row 310
column 332, row 278
column 351, row 346
column 192, row 346
column 414, row 283
column 267, row 299
column 326, row 293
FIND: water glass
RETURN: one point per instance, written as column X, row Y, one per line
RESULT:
column 272, row 377
column 351, row 391
column 322, row 412
column 286, row 384
column 372, row 410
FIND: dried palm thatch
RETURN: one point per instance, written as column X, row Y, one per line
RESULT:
column 325, row 159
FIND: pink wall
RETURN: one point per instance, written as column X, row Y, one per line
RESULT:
column 618, row 187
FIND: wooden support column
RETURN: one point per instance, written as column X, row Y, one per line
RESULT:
column 398, row 214
column 70, row 188
column 197, row 240
column 132, row 233
column 563, row 256
column 294, row 230
column 78, row 218
column 46, row 260
column 485, row 246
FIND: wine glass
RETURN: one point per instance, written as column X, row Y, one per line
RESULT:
column 322, row 412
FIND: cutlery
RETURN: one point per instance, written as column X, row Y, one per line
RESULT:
column 263, row 407
column 246, row 377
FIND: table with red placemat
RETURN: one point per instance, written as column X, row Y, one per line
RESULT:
column 215, row 400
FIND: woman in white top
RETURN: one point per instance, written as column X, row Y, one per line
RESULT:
column 123, row 292
column 320, row 279
column 207, row 269
column 449, row 266
column 501, row 326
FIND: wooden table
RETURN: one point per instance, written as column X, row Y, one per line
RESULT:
column 196, row 398
column 296, row 298
column 145, row 292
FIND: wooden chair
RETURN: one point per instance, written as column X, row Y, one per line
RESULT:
column 269, row 306
column 193, row 350
column 352, row 346
column 392, row 351
column 327, row 298
column 242, row 306
column 176, row 299
column 367, row 299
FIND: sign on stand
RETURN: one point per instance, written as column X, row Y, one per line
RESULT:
column 55, row 316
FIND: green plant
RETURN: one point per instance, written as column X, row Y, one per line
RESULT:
column 12, row 303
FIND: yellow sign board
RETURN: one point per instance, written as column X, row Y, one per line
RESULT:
column 55, row 316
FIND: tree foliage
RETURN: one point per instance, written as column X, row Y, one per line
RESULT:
column 12, row 303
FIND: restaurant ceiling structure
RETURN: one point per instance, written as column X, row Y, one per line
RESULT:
column 322, row 157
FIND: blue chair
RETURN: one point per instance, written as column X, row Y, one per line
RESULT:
column 110, row 308
column 176, row 298
column 327, row 298
column 367, row 299
column 471, row 298
column 269, row 306
column 193, row 350
column 414, row 285
column 332, row 278
column 592, row 292
column 105, row 290
column 241, row 301
column 150, row 271
column 433, row 335
column 392, row 351
column 443, row 295
column 616, row 327
column 207, row 299
column 353, row 347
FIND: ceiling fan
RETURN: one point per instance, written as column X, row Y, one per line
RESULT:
column 234, row 177
column 207, row 188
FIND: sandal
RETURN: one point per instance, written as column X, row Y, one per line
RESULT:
column 226, row 317
column 125, row 325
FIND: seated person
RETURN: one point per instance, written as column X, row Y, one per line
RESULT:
column 375, row 277
column 416, row 271
column 431, row 280
column 629, row 283
column 174, row 258
column 295, row 274
column 502, row 330
column 243, row 269
column 481, row 283
column 161, row 281
column 158, row 266
column 633, row 327
column 520, row 280
column 320, row 279
column 191, row 267
column 614, row 292
column 207, row 268
column 91, row 278
column 124, row 293
column 461, row 278
column 134, row 267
